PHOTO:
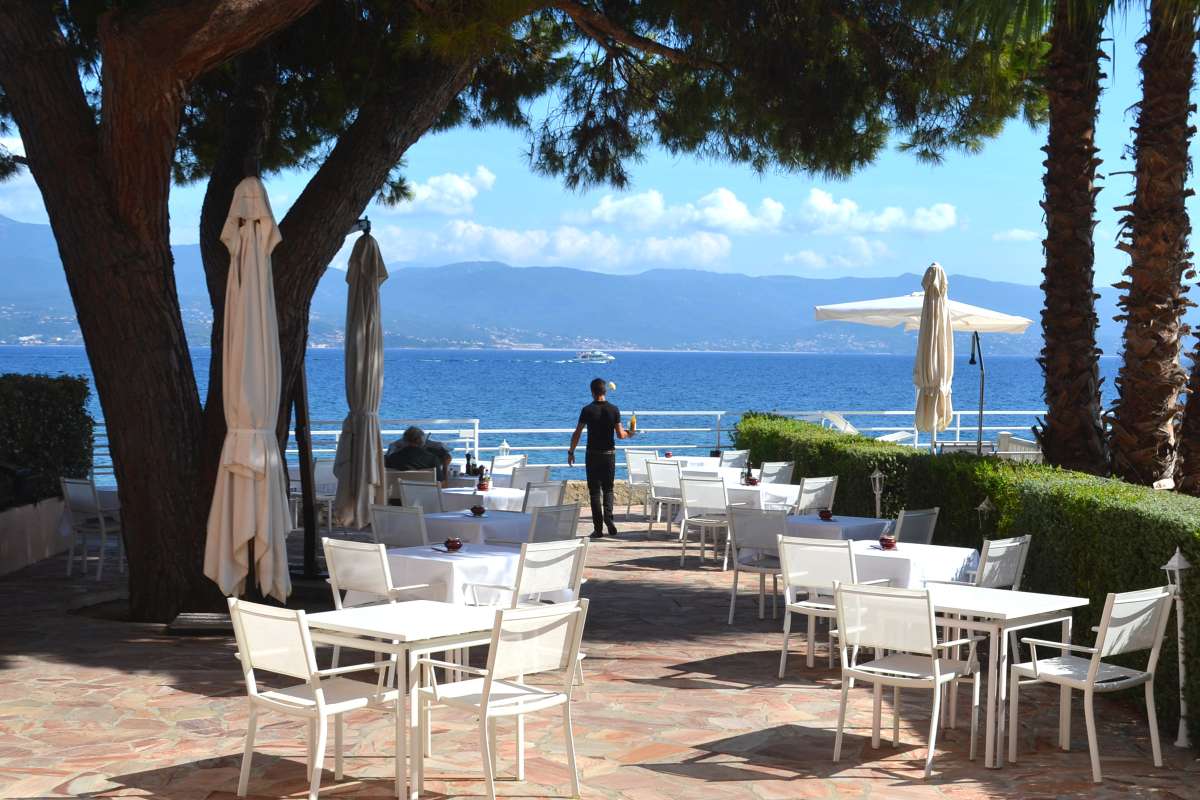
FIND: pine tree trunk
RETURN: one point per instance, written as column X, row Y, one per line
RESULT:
column 1144, row 438
column 1072, row 434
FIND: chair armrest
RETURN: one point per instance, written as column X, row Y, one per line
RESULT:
column 951, row 583
column 433, row 662
column 515, row 542
column 1059, row 645
column 954, row 643
column 325, row 673
column 473, row 589
column 410, row 587
column 814, row 605
column 877, row 582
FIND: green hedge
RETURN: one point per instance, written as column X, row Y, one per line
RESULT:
column 44, row 428
column 1091, row 535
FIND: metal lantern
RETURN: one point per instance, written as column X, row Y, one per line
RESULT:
column 877, row 488
column 1174, row 569
column 984, row 510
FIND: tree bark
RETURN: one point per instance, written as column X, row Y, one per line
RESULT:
column 1143, row 440
column 1072, row 434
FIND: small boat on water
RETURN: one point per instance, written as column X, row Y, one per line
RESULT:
column 594, row 357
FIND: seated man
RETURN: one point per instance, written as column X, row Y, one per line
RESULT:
column 412, row 451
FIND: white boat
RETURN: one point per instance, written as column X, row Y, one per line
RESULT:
column 594, row 357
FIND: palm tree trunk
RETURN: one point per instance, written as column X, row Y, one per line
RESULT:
column 1144, row 434
column 1072, row 434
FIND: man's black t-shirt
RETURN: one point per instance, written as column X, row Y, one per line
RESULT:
column 601, row 419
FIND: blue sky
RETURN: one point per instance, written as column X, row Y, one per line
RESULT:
column 976, row 214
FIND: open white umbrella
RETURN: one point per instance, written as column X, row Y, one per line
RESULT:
column 359, row 461
column 249, row 513
column 906, row 310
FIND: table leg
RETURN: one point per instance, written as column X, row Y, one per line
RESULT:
column 1064, row 696
column 414, row 684
column 402, row 657
column 1002, row 688
column 989, row 736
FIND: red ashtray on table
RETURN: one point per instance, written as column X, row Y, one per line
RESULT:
column 453, row 544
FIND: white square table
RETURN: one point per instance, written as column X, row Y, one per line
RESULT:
column 911, row 566
column 996, row 612
column 812, row 526
column 449, row 574
column 498, row 498
column 509, row 526
column 409, row 629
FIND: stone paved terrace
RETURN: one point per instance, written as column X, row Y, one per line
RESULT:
column 676, row 705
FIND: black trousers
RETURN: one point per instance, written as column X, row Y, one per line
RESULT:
column 601, row 472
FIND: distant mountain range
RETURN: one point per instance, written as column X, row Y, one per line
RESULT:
column 489, row 304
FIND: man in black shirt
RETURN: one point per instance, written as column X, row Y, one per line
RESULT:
column 603, row 421
column 414, row 451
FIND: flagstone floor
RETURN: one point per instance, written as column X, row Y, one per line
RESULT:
column 676, row 704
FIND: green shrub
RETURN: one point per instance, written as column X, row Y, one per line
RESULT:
column 45, row 429
column 1091, row 535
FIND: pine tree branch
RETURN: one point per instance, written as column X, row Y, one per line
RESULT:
column 604, row 31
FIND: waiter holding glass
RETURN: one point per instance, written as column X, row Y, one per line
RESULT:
column 603, row 422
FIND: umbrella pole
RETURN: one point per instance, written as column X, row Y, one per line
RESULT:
column 977, row 349
column 308, row 502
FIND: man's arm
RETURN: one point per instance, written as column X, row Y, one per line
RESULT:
column 574, row 443
column 621, row 432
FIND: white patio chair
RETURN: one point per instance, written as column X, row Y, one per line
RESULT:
column 754, row 537
column 523, row 476
column 637, row 480
column 554, row 523
column 734, row 458
column 664, row 480
column 1131, row 622
column 461, row 482
column 813, row 568
column 916, row 526
column 900, row 621
column 705, row 508
column 543, row 568
column 276, row 640
column 525, row 642
column 454, row 501
column 816, row 494
column 539, row 495
column 88, row 517
column 426, row 495
column 399, row 526
column 507, row 463
column 776, row 471
column 325, row 488
column 394, row 476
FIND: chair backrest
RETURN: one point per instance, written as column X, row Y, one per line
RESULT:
column 1133, row 621
column 1002, row 562
column 324, row 481
column 523, row 476
column 461, row 482
column 635, row 464
column 816, row 564
column 539, row 495
column 80, row 496
column 399, row 526
column 426, row 495
column 816, row 494
column 271, row 639
column 776, row 471
column 734, row 458
column 456, row 501
column 550, row 567
column 916, row 526
column 535, row 639
column 757, row 529
column 508, row 463
column 699, row 473
column 416, row 475
column 554, row 523
column 664, row 478
column 883, row 617
column 703, row 496
column 357, row 567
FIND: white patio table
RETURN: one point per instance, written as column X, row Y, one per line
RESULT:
column 707, row 463
column 764, row 495
column 509, row 526
column 910, row 566
column 498, row 498
column 449, row 574
column 408, row 630
column 995, row 612
column 840, row 527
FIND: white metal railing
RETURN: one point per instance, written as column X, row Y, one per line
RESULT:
column 885, row 423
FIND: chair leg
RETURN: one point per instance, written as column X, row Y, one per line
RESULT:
column 337, row 654
column 837, row 741
column 683, row 544
column 402, row 749
column 71, row 551
column 787, row 630
column 895, row 716
column 1013, row 696
column 312, row 746
column 485, row 752
column 338, row 727
column 248, row 753
column 733, row 595
column 877, row 713
column 100, row 555
column 314, row 784
column 762, row 595
column 1152, row 716
column 492, row 724
column 1064, row 719
column 520, row 747
column 418, row 758
column 1089, row 718
column 810, row 641
column 570, row 737
column 774, row 596
column 975, row 711
column 933, row 727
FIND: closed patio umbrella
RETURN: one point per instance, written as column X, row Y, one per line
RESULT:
column 249, row 514
column 933, row 369
column 359, row 461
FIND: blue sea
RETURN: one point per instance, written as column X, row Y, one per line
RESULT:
column 545, row 389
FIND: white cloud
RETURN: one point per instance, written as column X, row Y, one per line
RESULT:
column 449, row 193
column 1015, row 235
column 855, row 252
column 639, row 210
column 719, row 210
column 807, row 258
column 472, row 239
column 700, row 247
column 13, row 144
column 829, row 215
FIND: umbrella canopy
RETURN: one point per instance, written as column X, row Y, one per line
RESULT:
column 933, row 369
column 359, row 462
column 249, row 506
column 906, row 310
